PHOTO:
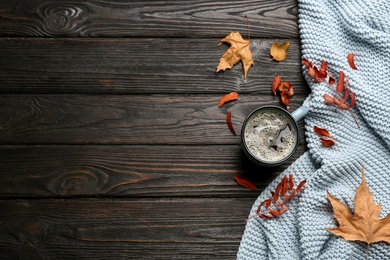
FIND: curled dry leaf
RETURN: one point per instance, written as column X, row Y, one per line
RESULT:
column 364, row 225
column 351, row 61
column 244, row 182
column 279, row 52
column 329, row 99
column 276, row 204
column 228, row 97
column 229, row 122
column 340, row 84
column 285, row 88
column 325, row 137
column 239, row 50
column 275, row 84
column 319, row 75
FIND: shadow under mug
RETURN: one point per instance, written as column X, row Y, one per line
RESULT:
column 290, row 119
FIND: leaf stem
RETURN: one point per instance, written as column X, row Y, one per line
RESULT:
column 367, row 248
column 249, row 30
column 354, row 118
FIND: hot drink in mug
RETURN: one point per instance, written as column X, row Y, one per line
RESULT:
column 270, row 134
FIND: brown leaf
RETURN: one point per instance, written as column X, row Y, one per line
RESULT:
column 229, row 122
column 244, row 182
column 228, row 97
column 239, row 50
column 364, row 225
column 351, row 61
column 279, row 52
column 276, row 83
column 328, row 99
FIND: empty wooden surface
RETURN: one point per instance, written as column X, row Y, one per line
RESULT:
column 112, row 145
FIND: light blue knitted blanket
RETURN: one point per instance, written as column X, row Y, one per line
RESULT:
column 330, row 29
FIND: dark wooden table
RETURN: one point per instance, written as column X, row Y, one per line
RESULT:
column 112, row 145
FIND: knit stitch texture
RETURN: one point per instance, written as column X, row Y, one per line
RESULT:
column 329, row 30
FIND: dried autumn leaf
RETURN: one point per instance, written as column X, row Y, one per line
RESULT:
column 229, row 122
column 279, row 52
column 275, row 84
column 327, row 141
column 351, row 61
column 340, row 84
column 244, row 182
column 228, row 97
column 239, row 50
column 325, row 137
column 321, row 131
column 365, row 224
column 328, row 99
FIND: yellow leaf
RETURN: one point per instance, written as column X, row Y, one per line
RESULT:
column 239, row 50
column 365, row 224
column 279, row 52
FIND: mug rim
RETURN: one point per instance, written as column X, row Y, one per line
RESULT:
column 247, row 150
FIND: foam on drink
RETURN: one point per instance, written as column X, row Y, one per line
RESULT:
column 270, row 136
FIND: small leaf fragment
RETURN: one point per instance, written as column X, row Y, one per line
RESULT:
column 228, row 97
column 244, row 182
column 353, row 99
column 229, row 122
column 340, row 104
column 279, row 52
column 351, row 61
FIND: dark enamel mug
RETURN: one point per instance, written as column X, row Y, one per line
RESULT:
column 270, row 134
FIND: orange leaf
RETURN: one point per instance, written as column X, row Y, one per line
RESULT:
column 239, row 50
column 321, row 131
column 325, row 137
column 244, row 182
column 353, row 99
column 285, row 99
column 351, row 61
column 327, row 141
column 364, row 225
column 276, row 83
column 340, row 104
column 228, row 97
column 279, row 52
column 328, row 99
column 340, row 84
column 229, row 122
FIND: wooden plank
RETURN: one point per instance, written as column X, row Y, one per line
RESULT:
column 200, row 18
column 138, row 66
column 135, row 119
column 130, row 171
column 142, row 229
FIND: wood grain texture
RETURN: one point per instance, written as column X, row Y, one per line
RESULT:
column 138, row 66
column 130, row 171
column 136, row 119
column 191, row 19
column 128, row 229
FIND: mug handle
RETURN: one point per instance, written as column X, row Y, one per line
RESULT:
column 299, row 113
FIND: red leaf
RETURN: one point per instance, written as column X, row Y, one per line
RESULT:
column 340, row 84
column 331, row 79
column 229, row 122
column 327, row 141
column 276, row 83
column 353, row 99
column 285, row 99
column 321, row 131
column 325, row 137
column 351, row 61
column 228, row 97
column 307, row 63
column 328, row 99
column 340, row 104
column 345, row 97
column 244, row 182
